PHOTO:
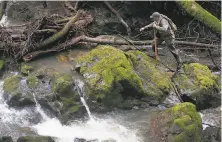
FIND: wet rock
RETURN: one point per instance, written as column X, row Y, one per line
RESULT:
column 211, row 134
column 198, row 83
column 13, row 93
column 35, row 139
column 181, row 123
column 211, row 117
column 6, row 139
column 114, row 76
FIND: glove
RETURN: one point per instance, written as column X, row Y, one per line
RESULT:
column 141, row 29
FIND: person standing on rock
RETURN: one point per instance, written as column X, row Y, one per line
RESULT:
column 165, row 32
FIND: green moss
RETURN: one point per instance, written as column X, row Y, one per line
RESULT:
column 156, row 80
column 189, row 121
column 25, row 69
column 74, row 109
column 62, row 84
column 2, row 63
column 201, row 14
column 106, row 65
column 202, row 75
column 11, row 84
column 32, row 81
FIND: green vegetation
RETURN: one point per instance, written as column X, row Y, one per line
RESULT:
column 11, row 84
column 25, row 69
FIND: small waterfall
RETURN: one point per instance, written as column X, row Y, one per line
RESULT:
column 39, row 109
column 12, row 120
column 80, row 88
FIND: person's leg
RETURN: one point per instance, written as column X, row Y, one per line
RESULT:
column 170, row 44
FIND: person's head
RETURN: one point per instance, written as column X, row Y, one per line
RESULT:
column 155, row 16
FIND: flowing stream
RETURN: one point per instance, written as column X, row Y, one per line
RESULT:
column 12, row 121
column 94, row 129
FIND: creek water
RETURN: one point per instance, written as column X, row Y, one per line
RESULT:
column 111, row 126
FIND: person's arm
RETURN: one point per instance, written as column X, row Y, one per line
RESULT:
column 147, row 26
column 164, row 27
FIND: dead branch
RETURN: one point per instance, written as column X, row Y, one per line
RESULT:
column 69, row 6
column 119, row 17
column 60, row 34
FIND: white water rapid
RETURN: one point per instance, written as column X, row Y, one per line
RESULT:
column 93, row 129
column 12, row 120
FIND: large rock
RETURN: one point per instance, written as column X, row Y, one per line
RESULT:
column 114, row 76
column 13, row 92
column 211, row 134
column 181, row 123
column 52, row 90
column 200, row 84
column 35, row 139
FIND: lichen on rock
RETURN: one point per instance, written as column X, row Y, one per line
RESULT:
column 181, row 123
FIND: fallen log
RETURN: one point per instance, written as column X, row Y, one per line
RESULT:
column 60, row 34
column 104, row 39
column 200, row 14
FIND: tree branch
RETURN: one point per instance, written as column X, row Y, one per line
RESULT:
column 119, row 17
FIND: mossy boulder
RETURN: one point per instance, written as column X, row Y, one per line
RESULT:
column 26, row 69
column 155, row 80
column 110, row 75
column 35, row 139
column 200, row 84
column 181, row 123
column 14, row 93
column 11, row 84
column 32, row 81
column 62, row 84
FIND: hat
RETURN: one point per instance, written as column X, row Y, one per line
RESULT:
column 155, row 14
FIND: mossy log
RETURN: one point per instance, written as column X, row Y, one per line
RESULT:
column 200, row 14
column 60, row 34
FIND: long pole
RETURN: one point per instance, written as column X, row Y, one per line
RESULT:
column 155, row 45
